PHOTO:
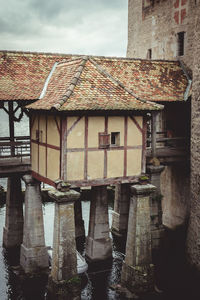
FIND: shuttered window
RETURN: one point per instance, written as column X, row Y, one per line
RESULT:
column 104, row 140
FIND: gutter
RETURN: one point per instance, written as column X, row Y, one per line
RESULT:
column 186, row 94
column 47, row 81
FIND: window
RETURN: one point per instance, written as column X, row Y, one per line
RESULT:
column 115, row 138
column 149, row 54
column 181, row 36
column 104, row 140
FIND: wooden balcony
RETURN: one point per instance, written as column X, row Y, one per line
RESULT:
column 14, row 156
column 167, row 149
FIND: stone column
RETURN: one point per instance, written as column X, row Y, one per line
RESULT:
column 98, row 242
column 156, row 205
column 137, row 270
column 34, row 256
column 79, row 222
column 13, row 230
column 63, row 278
column 121, row 209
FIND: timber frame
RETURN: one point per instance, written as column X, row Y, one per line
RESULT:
column 64, row 129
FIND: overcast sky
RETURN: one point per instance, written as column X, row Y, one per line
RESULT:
column 97, row 27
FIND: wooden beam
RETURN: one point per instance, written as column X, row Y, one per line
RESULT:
column 153, row 133
column 11, row 125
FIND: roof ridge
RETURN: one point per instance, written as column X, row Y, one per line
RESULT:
column 104, row 72
column 72, row 85
column 122, row 58
column 70, row 60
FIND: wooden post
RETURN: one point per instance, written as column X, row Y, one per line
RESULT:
column 11, row 125
column 153, row 133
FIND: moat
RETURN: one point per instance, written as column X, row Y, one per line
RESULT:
column 97, row 284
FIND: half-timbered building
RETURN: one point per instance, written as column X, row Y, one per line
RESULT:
column 87, row 128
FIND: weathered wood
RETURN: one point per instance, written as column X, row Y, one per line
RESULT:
column 84, row 183
column 21, row 147
column 144, row 136
column 153, row 133
column 14, row 165
column 11, row 125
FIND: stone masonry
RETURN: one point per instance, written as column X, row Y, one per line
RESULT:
column 121, row 209
column 13, row 230
column 98, row 241
column 156, row 27
column 33, row 256
column 137, row 272
column 193, row 240
column 64, row 261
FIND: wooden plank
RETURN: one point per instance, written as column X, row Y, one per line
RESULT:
column 99, row 149
column 105, row 181
column 11, row 125
column 63, row 149
column 45, row 145
column 86, row 149
column 38, row 164
column 105, row 170
column 46, row 120
column 73, row 125
column 125, row 144
column 43, row 179
column 136, row 123
column 144, row 135
column 153, row 133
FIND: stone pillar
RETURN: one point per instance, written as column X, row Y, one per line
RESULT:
column 34, row 256
column 13, row 230
column 98, row 242
column 156, row 205
column 79, row 222
column 121, row 209
column 137, row 272
column 63, row 278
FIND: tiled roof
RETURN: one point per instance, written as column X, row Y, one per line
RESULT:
column 149, row 79
column 81, row 84
column 23, row 74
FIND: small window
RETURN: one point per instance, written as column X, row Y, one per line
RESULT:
column 181, row 37
column 149, row 54
column 115, row 138
column 104, row 140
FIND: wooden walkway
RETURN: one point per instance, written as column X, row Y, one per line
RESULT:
column 14, row 156
column 169, row 154
column 15, row 165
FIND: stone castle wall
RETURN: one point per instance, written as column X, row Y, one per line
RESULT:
column 193, row 240
column 155, row 26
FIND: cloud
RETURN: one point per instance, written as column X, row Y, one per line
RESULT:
column 68, row 26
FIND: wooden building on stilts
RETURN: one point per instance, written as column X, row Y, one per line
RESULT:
column 87, row 128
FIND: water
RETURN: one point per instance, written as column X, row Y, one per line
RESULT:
column 180, row 285
column 97, row 286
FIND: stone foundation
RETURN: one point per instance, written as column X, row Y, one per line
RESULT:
column 98, row 242
column 33, row 256
column 13, row 230
column 121, row 210
column 137, row 270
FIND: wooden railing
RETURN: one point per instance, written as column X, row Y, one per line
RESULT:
column 20, row 147
column 162, row 141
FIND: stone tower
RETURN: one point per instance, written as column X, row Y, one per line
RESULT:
column 194, row 222
column 170, row 29
column 161, row 29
